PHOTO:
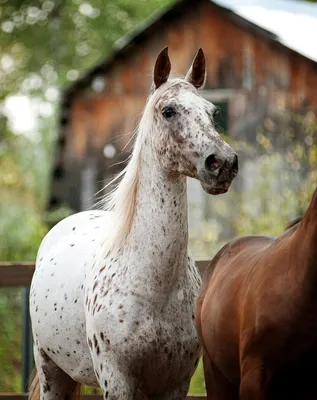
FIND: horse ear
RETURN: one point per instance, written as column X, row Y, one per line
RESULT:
column 197, row 72
column 162, row 68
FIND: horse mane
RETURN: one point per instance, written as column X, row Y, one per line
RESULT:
column 121, row 201
column 294, row 222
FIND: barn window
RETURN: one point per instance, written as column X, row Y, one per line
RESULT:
column 222, row 119
column 220, row 98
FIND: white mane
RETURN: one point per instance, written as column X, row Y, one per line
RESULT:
column 121, row 201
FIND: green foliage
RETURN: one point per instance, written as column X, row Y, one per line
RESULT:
column 285, row 177
column 21, row 230
column 197, row 384
column 21, row 226
column 52, row 42
column 53, row 217
column 10, row 340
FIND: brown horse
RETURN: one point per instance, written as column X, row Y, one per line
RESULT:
column 257, row 316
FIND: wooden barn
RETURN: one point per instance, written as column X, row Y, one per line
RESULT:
column 249, row 71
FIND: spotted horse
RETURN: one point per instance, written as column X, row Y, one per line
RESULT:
column 113, row 295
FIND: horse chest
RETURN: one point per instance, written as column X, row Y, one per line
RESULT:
column 157, row 349
column 156, row 339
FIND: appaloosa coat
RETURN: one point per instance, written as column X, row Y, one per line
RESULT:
column 113, row 295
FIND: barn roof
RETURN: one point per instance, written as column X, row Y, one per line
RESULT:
column 291, row 23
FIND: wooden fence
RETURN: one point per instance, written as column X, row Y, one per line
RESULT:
column 19, row 275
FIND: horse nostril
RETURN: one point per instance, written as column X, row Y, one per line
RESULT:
column 235, row 164
column 213, row 162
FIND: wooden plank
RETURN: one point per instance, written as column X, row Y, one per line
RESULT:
column 20, row 274
column 16, row 274
column 23, row 396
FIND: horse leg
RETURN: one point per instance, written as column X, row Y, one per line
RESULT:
column 252, row 382
column 178, row 393
column 115, row 382
column 218, row 387
column 54, row 383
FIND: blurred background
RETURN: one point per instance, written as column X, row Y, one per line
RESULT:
column 74, row 76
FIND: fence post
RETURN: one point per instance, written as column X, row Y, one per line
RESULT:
column 27, row 340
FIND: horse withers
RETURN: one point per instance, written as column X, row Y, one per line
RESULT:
column 257, row 316
column 113, row 295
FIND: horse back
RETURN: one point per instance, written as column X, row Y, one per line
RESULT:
column 247, row 246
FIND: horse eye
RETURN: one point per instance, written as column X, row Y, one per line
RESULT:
column 216, row 112
column 168, row 112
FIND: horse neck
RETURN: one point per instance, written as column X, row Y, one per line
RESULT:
column 160, row 227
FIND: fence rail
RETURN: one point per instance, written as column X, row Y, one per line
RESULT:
column 19, row 274
column 16, row 274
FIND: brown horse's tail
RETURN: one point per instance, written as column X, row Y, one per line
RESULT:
column 34, row 388
column 77, row 392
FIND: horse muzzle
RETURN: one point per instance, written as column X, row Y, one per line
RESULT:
column 217, row 171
